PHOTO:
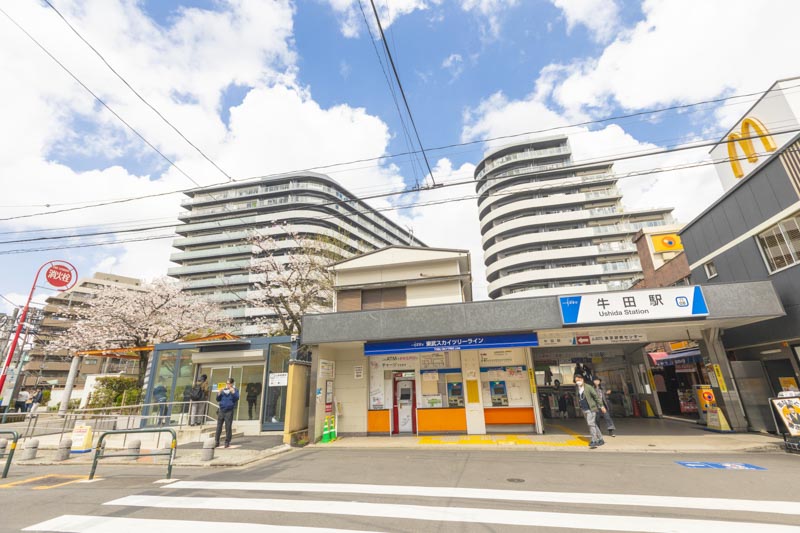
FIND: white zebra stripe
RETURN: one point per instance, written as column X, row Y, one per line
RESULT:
column 598, row 522
column 588, row 498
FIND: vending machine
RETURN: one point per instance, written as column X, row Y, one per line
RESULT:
column 455, row 394
column 499, row 393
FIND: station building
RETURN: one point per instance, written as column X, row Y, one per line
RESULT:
column 444, row 364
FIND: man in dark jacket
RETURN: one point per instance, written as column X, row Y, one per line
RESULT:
column 590, row 405
column 227, row 399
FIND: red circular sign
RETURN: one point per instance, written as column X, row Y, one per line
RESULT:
column 59, row 276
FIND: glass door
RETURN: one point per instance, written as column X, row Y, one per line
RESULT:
column 216, row 381
column 277, row 386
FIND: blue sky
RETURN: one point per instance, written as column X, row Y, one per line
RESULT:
column 271, row 86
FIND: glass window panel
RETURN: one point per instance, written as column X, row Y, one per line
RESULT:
column 251, row 392
column 279, row 355
column 183, row 385
column 791, row 229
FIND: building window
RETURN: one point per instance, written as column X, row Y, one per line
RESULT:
column 781, row 244
column 711, row 270
column 387, row 298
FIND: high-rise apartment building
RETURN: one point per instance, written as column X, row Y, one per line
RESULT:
column 552, row 227
column 216, row 254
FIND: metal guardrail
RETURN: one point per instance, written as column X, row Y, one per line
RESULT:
column 10, row 454
column 100, row 449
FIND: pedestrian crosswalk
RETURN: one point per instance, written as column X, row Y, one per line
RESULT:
column 275, row 504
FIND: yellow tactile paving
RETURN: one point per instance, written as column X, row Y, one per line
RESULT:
column 503, row 440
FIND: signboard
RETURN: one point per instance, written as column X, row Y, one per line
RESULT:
column 768, row 126
column 358, row 372
column 720, row 380
column 327, row 369
column 82, row 439
column 789, row 411
column 670, row 242
column 633, row 306
column 59, row 276
column 452, row 343
column 584, row 338
column 278, row 379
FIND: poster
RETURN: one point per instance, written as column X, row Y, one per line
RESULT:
column 789, row 411
column 358, row 372
column 327, row 369
column 430, row 376
column 788, row 384
column 278, row 379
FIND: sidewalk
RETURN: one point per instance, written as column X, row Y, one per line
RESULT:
column 634, row 436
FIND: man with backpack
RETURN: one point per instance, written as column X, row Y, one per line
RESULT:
column 199, row 397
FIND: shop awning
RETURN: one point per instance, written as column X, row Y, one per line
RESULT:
column 474, row 342
column 677, row 358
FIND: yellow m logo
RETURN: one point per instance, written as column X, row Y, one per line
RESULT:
column 745, row 140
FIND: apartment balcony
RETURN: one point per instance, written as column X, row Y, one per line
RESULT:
column 531, row 204
column 221, row 237
column 222, row 251
column 556, row 274
column 209, row 267
column 50, row 366
column 535, row 292
column 222, row 281
column 544, row 185
column 522, row 156
column 536, row 221
column 556, row 254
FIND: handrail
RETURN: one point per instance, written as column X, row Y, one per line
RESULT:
column 10, row 453
column 99, row 451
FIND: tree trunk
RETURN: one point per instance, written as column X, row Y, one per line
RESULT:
column 144, row 358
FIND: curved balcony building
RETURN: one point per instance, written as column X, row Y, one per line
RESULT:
column 214, row 253
column 551, row 227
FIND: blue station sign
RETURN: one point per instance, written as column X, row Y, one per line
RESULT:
column 472, row 342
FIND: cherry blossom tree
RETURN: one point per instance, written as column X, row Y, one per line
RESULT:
column 293, row 277
column 149, row 314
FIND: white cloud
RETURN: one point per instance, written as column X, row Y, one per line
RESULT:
column 277, row 127
column 351, row 20
column 682, row 51
column 489, row 12
column 454, row 64
column 685, row 51
column 600, row 17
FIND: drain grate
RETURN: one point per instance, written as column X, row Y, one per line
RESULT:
column 515, row 480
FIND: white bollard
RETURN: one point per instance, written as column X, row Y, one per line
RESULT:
column 64, row 448
column 208, row 450
column 134, row 447
column 31, row 447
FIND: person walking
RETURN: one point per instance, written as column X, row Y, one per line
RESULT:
column 610, row 427
column 253, row 392
column 590, row 405
column 227, row 399
column 199, row 397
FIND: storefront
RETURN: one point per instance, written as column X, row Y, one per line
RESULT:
column 259, row 367
column 482, row 367
column 456, row 385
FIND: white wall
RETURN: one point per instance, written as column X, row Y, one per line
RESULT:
column 444, row 292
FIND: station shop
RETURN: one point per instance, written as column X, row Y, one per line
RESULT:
column 501, row 366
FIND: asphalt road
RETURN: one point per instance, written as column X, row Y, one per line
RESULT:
column 413, row 491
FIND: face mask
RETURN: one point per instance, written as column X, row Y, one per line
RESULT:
column 226, row 391
column 579, row 383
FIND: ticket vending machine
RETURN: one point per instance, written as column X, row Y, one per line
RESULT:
column 455, row 394
column 499, row 393
column 405, row 404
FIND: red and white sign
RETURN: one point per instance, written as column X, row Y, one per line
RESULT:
column 59, row 276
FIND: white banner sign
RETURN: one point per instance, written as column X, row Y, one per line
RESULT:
column 633, row 306
column 278, row 379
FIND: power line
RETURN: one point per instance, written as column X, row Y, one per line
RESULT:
column 400, row 154
column 138, row 95
column 402, row 92
column 96, row 97
column 536, row 187
column 574, row 165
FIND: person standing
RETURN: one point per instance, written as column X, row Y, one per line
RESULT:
column 22, row 399
column 199, row 398
column 253, row 392
column 36, row 400
column 610, row 427
column 562, row 405
column 227, row 399
column 590, row 405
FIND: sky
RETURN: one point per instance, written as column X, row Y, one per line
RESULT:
column 269, row 86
